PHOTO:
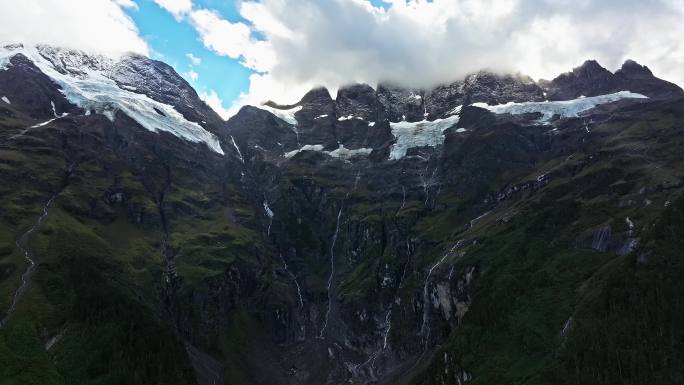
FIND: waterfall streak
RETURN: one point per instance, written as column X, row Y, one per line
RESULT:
column 332, row 273
column 294, row 279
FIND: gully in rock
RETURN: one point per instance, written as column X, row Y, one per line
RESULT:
column 167, row 253
column 331, row 278
column 22, row 245
column 403, row 200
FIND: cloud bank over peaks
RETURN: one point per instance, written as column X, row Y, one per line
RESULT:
column 294, row 45
column 98, row 26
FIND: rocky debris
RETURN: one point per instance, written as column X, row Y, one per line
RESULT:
column 446, row 370
column 604, row 239
column 452, row 297
column 601, row 238
column 532, row 186
column 628, row 246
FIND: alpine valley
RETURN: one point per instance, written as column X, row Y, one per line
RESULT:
column 491, row 231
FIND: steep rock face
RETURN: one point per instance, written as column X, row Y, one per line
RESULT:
column 360, row 118
column 357, row 100
column 315, row 120
column 31, row 91
column 252, row 127
column 482, row 87
column 589, row 79
column 640, row 79
column 160, row 82
column 401, row 104
column 500, row 89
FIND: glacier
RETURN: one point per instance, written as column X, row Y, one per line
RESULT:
column 86, row 81
column 419, row 134
column 564, row 109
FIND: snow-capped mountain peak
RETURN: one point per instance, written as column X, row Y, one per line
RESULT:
column 103, row 85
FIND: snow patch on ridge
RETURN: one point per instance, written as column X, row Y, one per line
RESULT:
column 49, row 121
column 341, row 152
column 92, row 88
column 288, row 116
column 564, row 109
column 307, row 147
column 348, row 117
column 6, row 100
column 345, row 153
column 419, row 134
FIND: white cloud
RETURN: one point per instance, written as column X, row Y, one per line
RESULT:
column 421, row 43
column 233, row 40
column 192, row 75
column 99, row 26
column 127, row 3
column 178, row 8
column 263, row 20
column 263, row 87
column 194, row 60
column 214, row 101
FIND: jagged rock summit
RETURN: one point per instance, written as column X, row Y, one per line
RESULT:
column 591, row 79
